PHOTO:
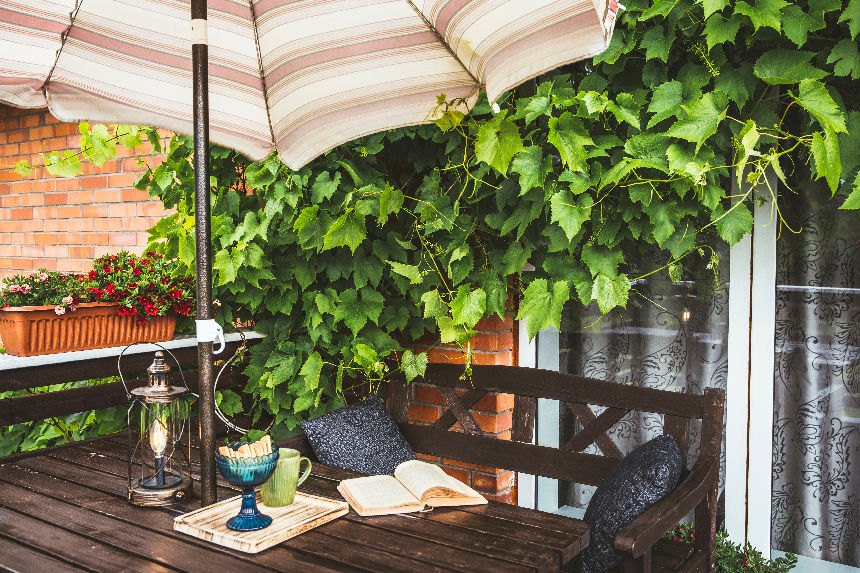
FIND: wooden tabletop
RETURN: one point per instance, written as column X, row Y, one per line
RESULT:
column 65, row 510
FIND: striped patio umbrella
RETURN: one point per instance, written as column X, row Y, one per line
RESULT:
column 299, row 76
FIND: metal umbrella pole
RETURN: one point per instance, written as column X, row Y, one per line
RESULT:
column 200, row 59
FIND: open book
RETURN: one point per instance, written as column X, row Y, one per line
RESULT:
column 414, row 486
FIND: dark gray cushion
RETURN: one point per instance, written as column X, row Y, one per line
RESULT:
column 362, row 437
column 644, row 477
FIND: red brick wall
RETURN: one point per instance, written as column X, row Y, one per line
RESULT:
column 495, row 343
column 63, row 223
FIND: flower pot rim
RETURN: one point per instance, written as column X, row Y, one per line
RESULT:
column 53, row 306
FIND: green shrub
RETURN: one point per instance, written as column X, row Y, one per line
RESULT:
column 731, row 557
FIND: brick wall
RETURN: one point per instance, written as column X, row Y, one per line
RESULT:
column 63, row 223
column 495, row 343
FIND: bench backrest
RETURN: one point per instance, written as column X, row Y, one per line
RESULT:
column 568, row 462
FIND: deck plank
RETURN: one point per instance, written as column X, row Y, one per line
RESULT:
column 72, row 547
column 126, row 537
column 17, row 557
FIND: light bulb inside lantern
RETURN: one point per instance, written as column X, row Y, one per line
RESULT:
column 158, row 435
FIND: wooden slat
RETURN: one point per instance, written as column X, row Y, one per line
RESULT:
column 105, row 530
column 567, row 387
column 74, row 370
column 398, row 403
column 70, row 546
column 74, row 400
column 594, row 429
column 17, row 557
column 6, row 412
column 679, row 428
column 491, row 452
column 458, row 410
column 525, row 409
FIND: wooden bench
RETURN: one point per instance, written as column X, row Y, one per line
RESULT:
column 642, row 542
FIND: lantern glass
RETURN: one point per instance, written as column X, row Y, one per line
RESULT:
column 159, row 471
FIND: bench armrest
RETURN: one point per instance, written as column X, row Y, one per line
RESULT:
column 638, row 537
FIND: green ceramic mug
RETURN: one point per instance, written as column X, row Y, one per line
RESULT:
column 280, row 489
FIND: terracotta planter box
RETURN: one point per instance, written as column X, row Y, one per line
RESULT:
column 32, row 330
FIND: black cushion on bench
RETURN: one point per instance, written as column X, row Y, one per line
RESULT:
column 644, row 477
column 361, row 437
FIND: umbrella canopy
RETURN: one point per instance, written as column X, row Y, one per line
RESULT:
column 303, row 76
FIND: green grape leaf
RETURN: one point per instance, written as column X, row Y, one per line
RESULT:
column 665, row 102
column 733, row 224
column 69, row 165
column 390, row 203
column 609, row 292
column 434, row 306
column 703, row 117
column 657, row 43
column 852, row 16
column 602, row 260
column 659, row 8
column 780, row 66
column 797, row 24
column 347, row 231
column 531, row 167
column 497, row 143
column 712, row 6
column 324, row 187
column 853, row 200
column 570, row 212
column 763, row 13
column 625, row 109
column 228, row 402
column 737, row 83
column 413, row 365
column 814, row 98
column 825, row 152
column 311, row 370
column 411, row 272
column 468, row 306
column 719, row 30
column 846, row 59
column 568, row 135
column 543, row 307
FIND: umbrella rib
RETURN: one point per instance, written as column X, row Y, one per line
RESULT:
column 262, row 73
column 442, row 41
column 63, row 36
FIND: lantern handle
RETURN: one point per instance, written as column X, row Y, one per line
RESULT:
column 218, row 412
column 119, row 365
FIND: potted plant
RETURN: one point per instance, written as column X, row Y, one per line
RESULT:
column 123, row 299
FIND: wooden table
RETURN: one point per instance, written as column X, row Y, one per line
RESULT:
column 64, row 509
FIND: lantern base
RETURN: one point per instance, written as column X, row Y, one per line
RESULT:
column 145, row 492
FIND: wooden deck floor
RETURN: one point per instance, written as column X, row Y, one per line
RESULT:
column 65, row 510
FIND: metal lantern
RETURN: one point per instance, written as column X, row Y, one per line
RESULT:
column 159, row 471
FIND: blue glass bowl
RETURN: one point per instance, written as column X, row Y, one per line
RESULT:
column 247, row 473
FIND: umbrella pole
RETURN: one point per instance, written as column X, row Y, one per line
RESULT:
column 200, row 58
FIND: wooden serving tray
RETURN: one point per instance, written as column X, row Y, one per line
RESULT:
column 305, row 513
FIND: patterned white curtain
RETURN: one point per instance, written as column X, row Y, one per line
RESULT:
column 672, row 336
column 816, row 434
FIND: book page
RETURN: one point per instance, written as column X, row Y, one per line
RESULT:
column 418, row 477
column 373, row 493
